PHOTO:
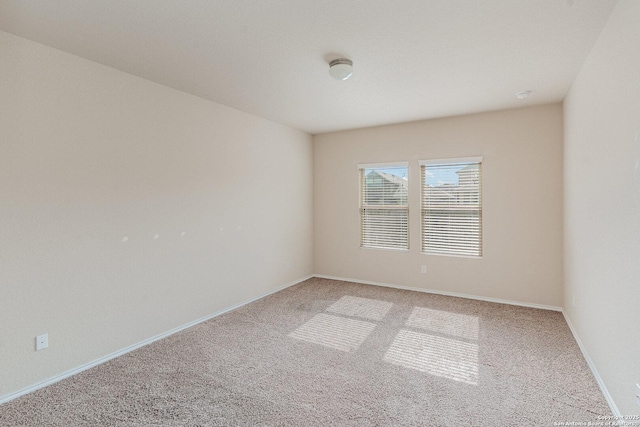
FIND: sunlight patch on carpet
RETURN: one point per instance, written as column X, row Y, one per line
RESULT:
column 336, row 332
column 444, row 322
column 443, row 357
column 365, row 308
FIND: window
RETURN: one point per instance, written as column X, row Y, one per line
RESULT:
column 384, row 210
column 451, row 206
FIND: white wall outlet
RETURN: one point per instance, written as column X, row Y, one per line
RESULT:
column 638, row 394
column 287, row 264
column 42, row 342
column 423, row 269
column 573, row 300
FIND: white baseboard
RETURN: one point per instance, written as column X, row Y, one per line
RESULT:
column 101, row 360
column 603, row 387
column 437, row 292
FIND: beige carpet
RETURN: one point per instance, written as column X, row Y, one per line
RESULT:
column 334, row 353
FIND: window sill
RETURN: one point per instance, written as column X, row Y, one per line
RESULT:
column 384, row 249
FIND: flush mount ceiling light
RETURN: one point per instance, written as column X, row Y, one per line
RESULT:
column 523, row 95
column 341, row 69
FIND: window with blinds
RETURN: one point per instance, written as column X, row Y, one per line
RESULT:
column 384, row 208
column 451, row 204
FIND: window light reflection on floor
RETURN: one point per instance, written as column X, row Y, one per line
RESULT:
column 444, row 322
column 361, row 307
column 435, row 355
column 340, row 333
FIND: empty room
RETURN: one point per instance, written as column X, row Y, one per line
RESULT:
column 348, row 213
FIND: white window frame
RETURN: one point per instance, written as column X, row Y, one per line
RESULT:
column 454, row 243
column 363, row 207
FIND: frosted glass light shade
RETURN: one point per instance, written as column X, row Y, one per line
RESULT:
column 341, row 69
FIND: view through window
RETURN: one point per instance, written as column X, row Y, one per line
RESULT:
column 451, row 206
column 384, row 208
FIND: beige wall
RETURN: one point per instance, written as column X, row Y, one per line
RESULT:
column 522, row 204
column 89, row 156
column 602, row 205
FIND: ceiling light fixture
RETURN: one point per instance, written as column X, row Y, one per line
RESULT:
column 523, row 95
column 341, row 69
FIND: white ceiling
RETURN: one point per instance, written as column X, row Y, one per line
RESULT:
column 413, row 59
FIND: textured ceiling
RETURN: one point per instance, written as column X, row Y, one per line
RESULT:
column 413, row 59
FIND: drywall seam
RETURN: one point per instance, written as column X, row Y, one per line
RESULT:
column 143, row 343
column 594, row 371
column 450, row 294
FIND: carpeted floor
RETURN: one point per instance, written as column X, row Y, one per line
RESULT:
column 335, row 353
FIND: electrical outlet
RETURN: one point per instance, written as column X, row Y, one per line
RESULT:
column 423, row 269
column 42, row 342
column 287, row 264
column 573, row 300
column 638, row 394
